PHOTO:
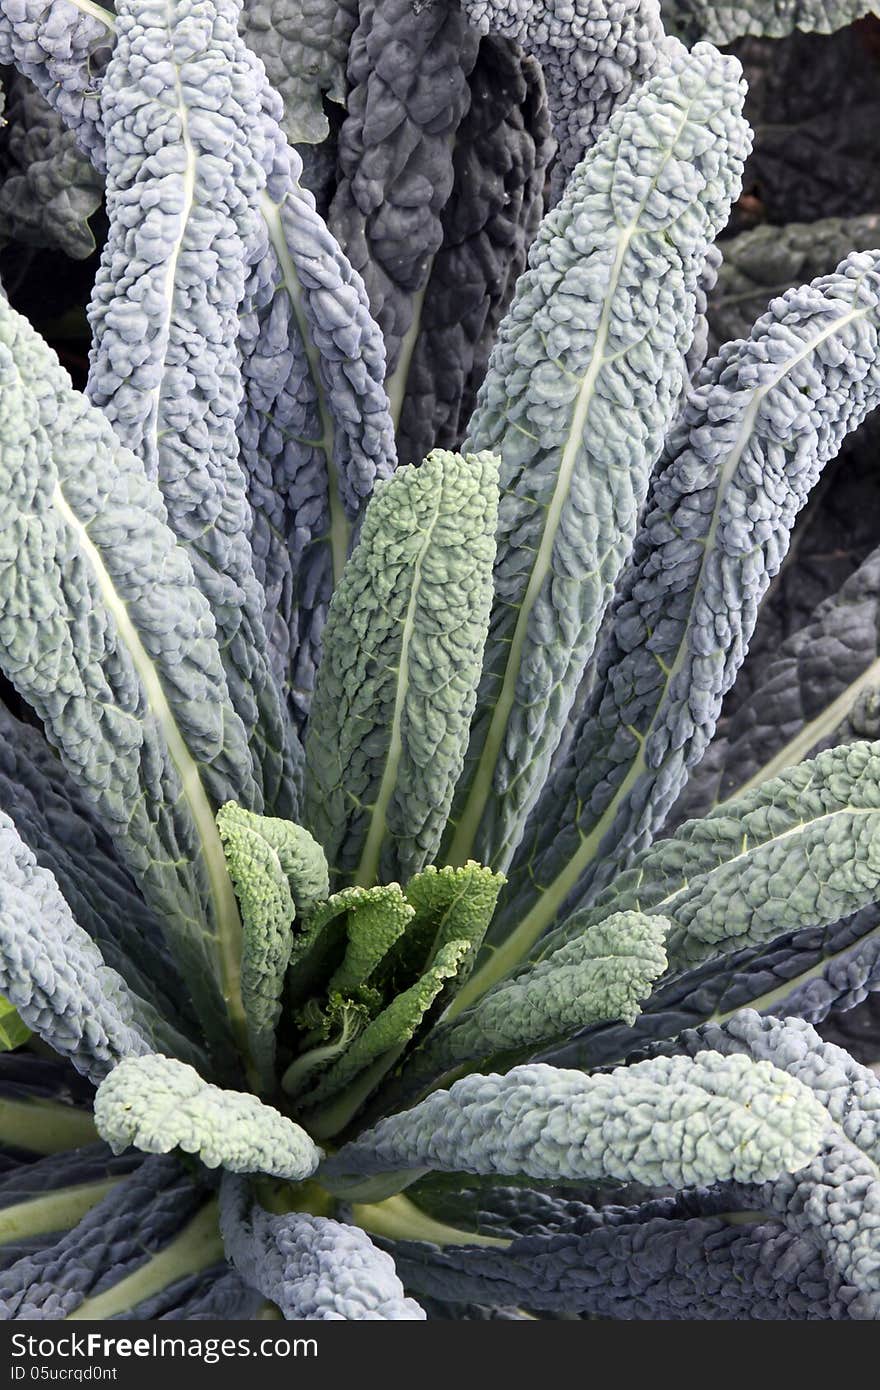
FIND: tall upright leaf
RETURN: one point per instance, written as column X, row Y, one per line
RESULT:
column 407, row 69
column 183, row 146
column 583, row 385
column 499, row 162
column 105, row 633
column 764, row 418
column 397, row 684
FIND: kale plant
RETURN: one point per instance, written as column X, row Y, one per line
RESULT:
column 362, row 623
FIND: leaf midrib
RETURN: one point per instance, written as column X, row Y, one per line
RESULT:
column 225, row 907
column 554, row 895
column 483, row 775
column 367, row 869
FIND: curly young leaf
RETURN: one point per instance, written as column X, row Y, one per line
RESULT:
column 397, row 683
column 666, row 1122
column 277, row 869
column 374, row 1051
column 375, row 918
column 158, row 1104
column 63, row 47
column 106, row 636
column 450, row 905
column 346, row 938
column 303, row 46
column 184, row 143
column 603, row 975
column 583, row 384
column 763, row 419
column 309, row 1266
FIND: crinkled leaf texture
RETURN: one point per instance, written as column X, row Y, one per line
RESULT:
column 402, row 652
column 303, row 46
column 309, row 1266
column 54, row 975
column 277, row 869
column 100, row 1237
column 814, row 974
column 763, row 419
column 64, row 50
column 799, row 849
column 184, row 146
column 835, row 1198
column 159, row 1104
column 407, row 70
column 761, row 264
column 49, row 189
column 746, row 1122
column 106, row 635
column 583, row 384
column 594, row 53
column 604, row 974
column 499, row 163
column 56, row 822
column 720, row 21
column 665, row 1260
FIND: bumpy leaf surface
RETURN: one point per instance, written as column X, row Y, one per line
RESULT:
column 720, row 21
column 836, row 1197
column 745, row 1121
column 276, row 868
column 183, row 143
column 61, row 828
column 799, row 849
column 638, row 1264
column 593, row 56
column 150, row 1228
column 397, row 684
column 809, row 974
column 407, row 69
column 603, row 975
column 499, row 162
column 315, row 430
column 64, row 50
column 763, row 419
column 582, row 386
column 159, row 1104
column 309, row 1266
column 761, row 264
column 49, row 189
column 303, row 46
column 106, row 635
